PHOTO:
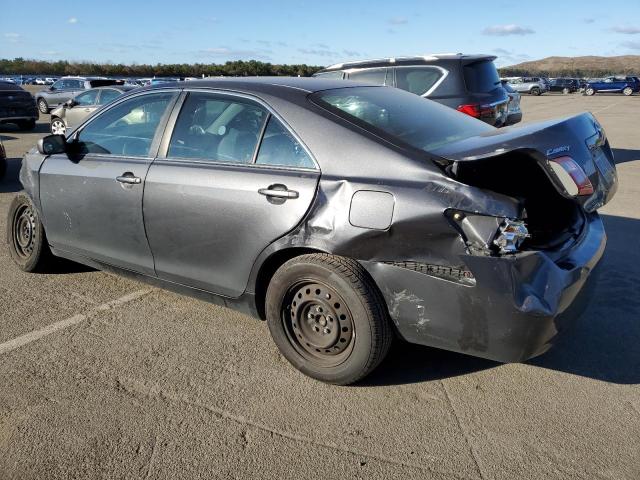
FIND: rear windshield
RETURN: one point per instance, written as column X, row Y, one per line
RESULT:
column 481, row 77
column 401, row 115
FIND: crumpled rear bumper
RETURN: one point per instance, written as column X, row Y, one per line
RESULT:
column 514, row 311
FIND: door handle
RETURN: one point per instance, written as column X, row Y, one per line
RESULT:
column 278, row 191
column 129, row 178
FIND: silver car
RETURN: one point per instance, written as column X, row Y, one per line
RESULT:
column 66, row 88
column 531, row 85
column 74, row 111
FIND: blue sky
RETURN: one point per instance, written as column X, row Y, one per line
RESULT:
column 313, row 32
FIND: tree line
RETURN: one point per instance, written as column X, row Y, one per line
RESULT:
column 22, row 66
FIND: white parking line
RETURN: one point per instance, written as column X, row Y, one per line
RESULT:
column 68, row 322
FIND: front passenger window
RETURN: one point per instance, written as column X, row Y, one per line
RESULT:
column 127, row 129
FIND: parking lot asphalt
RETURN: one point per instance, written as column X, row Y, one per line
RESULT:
column 143, row 383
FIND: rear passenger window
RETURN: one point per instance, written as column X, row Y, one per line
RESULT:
column 217, row 128
column 377, row 76
column 333, row 75
column 418, row 80
column 279, row 148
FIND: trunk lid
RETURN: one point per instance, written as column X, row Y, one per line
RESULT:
column 580, row 137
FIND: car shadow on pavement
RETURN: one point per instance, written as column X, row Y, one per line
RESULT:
column 603, row 344
column 622, row 155
column 41, row 127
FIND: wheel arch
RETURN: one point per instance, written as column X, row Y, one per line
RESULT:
column 268, row 268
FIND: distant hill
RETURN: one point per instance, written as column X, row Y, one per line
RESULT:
column 590, row 66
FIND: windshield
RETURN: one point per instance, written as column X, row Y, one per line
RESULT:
column 413, row 120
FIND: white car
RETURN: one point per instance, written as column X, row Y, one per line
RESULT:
column 39, row 81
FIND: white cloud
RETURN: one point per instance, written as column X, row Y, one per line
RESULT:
column 504, row 30
column 72, row 20
column 626, row 29
column 12, row 37
column 398, row 21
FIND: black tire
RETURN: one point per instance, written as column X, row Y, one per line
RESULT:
column 27, row 124
column 43, row 106
column 27, row 241
column 345, row 330
column 627, row 91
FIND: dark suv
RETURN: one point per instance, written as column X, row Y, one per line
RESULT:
column 468, row 83
column 564, row 85
column 66, row 88
column 17, row 106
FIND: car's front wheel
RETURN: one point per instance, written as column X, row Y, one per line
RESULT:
column 628, row 91
column 43, row 106
column 27, row 242
column 57, row 126
column 589, row 92
column 328, row 318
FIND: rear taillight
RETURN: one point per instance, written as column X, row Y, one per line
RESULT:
column 476, row 110
column 572, row 176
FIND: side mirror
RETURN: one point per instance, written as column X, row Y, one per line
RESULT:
column 52, row 144
column 70, row 103
column 51, row 88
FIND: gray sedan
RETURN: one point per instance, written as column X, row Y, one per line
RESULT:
column 342, row 213
column 75, row 110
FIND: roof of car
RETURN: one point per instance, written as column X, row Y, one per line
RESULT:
column 262, row 84
column 414, row 60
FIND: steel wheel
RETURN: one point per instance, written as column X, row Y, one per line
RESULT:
column 58, row 127
column 318, row 323
column 24, row 231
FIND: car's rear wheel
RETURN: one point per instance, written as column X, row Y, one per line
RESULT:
column 627, row 91
column 535, row 91
column 565, row 91
column 57, row 126
column 27, row 242
column 589, row 92
column 43, row 106
column 328, row 318
column 27, row 125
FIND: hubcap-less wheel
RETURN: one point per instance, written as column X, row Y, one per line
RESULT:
column 318, row 323
column 24, row 231
column 627, row 91
column 58, row 127
column 42, row 106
